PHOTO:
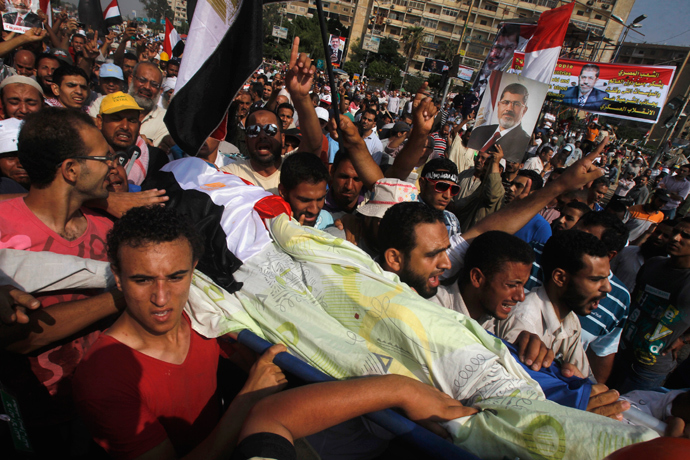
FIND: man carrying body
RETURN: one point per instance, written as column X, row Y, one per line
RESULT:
column 508, row 133
column 20, row 96
column 576, row 268
column 585, row 96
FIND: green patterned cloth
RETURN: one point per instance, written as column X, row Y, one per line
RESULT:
column 337, row 310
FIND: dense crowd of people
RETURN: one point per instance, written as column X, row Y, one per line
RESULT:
column 578, row 255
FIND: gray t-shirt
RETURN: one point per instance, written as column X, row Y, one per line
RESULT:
column 659, row 314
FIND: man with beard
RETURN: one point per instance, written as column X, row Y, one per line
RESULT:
column 46, row 65
column 631, row 258
column 508, row 133
column 345, row 187
column 13, row 178
column 20, row 96
column 303, row 184
column 576, row 268
column 145, row 88
column 264, row 134
column 173, row 68
column 119, row 122
column 571, row 213
column 585, row 96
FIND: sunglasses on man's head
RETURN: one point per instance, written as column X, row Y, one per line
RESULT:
column 255, row 130
column 441, row 187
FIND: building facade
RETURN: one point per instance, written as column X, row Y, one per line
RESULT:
column 179, row 8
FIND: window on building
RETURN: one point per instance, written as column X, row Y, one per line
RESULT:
column 326, row 5
column 483, row 22
column 433, row 10
column 446, row 27
column 430, row 23
column 490, row 6
column 416, row 5
column 400, row 2
column 412, row 19
column 449, row 12
column 580, row 12
column 598, row 16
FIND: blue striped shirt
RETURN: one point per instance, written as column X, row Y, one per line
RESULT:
column 602, row 328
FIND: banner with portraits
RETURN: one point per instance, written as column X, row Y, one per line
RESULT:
column 336, row 46
column 631, row 92
column 21, row 15
column 436, row 66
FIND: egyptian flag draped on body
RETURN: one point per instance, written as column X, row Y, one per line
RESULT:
column 112, row 15
column 224, row 47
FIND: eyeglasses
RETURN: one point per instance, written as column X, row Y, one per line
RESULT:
column 441, row 187
column 677, row 231
column 255, row 130
column 118, row 158
column 516, row 104
column 144, row 81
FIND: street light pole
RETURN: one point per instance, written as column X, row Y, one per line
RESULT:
column 635, row 24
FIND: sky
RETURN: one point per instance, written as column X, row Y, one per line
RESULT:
column 666, row 24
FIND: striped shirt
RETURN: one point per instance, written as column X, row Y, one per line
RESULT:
column 602, row 328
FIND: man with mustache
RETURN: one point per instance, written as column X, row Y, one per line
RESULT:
column 576, row 277
column 585, row 95
column 22, row 15
column 46, row 65
column 508, row 133
column 145, row 88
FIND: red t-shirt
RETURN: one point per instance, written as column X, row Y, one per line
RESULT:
column 132, row 402
column 21, row 229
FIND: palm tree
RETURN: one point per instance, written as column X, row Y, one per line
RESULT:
column 446, row 50
column 411, row 40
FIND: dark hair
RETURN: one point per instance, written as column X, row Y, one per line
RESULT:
column 258, row 88
column 263, row 77
column 565, row 250
column 615, row 232
column 42, row 56
column 397, row 228
column 440, row 164
column 490, row 251
column 68, row 71
column 593, row 67
column 340, row 156
column 537, row 180
column 130, row 57
column 616, row 206
column 600, row 181
column 285, row 105
column 175, row 62
column 516, row 88
column 578, row 205
column 302, row 167
column 371, row 112
column 256, row 109
column 152, row 224
column 49, row 137
column 510, row 30
column 314, row 96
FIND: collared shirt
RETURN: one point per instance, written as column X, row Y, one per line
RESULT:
column 534, row 164
column 374, row 146
column 336, row 211
column 537, row 315
column 153, row 126
column 602, row 328
column 450, row 297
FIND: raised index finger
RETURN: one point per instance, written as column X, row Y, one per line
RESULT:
column 295, row 52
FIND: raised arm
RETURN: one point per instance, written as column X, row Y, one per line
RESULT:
column 367, row 169
column 298, row 82
column 423, row 113
column 30, row 36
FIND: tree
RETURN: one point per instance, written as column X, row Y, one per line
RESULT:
column 411, row 40
column 446, row 51
column 158, row 9
column 352, row 67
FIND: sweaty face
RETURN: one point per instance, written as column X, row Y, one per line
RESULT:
column 511, row 109
column 346, row 185
column 93, row 178
column 428, row 260
column 19, row 100
column 502, row 291
column 146, row 86
column 596, row 194
column 12, row 168
column 286, row 117
column 78, row 44
column 172, row 70
column 44, row 71
column 128, row 66
column 245, row 101
column 567, row 220
column 72, row 92
column 25, row 63
column 588, row 79
column 264, row 149
column 155, row 281
column 501, row 52
column 121, row 129
column 588, row 286
column 306, row 201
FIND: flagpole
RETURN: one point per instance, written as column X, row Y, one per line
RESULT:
column 329, row 68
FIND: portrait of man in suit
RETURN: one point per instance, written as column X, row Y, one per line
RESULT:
column 508, row 132
column 585, row 96
column 500, row 54
column 336, row 54
column 22, row 15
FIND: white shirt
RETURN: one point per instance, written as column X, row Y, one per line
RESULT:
column 451, row 298
column 534, row 164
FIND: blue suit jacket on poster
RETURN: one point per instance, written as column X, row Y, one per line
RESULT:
column 594, row 101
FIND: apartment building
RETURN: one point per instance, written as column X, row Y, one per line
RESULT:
column 179, row 8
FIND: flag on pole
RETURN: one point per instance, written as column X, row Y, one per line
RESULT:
column 47, row 9
column 544, row 47
column 172, row 38
column 91, row 14
column 224, row 47
column 112, row 15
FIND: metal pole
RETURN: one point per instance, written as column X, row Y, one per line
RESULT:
column 445, row 93
column 329, row 66
column 464, row 29
column 669, row 133
column 620, row 42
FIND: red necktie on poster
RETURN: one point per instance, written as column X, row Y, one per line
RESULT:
column 491, row 143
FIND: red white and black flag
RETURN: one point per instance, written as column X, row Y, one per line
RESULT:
column 172, row 41
column 112, row 15
column 224, row 47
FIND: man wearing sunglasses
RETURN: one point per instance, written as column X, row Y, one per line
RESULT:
column 437, row 187
column 68, row 162
column 657, row 327
column 508, row 133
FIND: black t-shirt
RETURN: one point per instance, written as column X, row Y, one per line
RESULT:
column 265, row 446
column 8, row 185
column 659, row 314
